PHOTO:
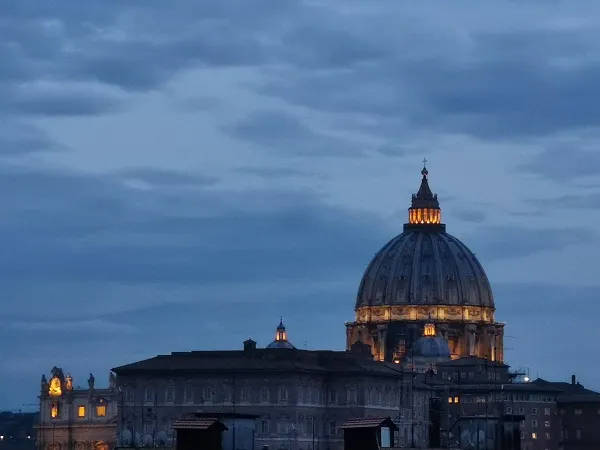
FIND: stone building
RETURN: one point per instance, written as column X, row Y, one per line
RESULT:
column 579, row 415
column 301, row 397
column 420, row 275
column 477, row 387
column 76, row 419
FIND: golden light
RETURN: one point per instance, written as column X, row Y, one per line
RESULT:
column 54, row 411
column 419, row 216
column 101, row 411
column 429, row 330
column 54, row 388
column 81, row 411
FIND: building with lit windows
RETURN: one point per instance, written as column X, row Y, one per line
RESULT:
column 426, row 275
column 72, row 418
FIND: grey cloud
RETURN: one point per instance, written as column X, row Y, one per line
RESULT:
column 565, row 162
column 273, row 172
column 467, row 214
column 284, row 133
column 18, row 138
column 514, row 242
column 64, row 226
column 165, row 178
column 580, row 201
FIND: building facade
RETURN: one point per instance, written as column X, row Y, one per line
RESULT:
column 422, row 275
column 474, row 387
column 73, row 418
column 301, row 397
column 579, row 415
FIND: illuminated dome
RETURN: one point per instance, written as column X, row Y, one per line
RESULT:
column 430, row 345
column 424, row 265
column 281, row 340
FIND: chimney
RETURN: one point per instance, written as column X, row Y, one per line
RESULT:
column 573, row 379
column 249, row 345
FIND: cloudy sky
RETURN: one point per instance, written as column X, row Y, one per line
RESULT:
column 177, row 175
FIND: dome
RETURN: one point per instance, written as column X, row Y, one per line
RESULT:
column 430, row 347
column 281, row 340
column 425, row 265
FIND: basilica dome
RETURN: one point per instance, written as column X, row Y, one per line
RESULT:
column 424, row 265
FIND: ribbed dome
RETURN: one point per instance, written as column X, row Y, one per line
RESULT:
column 421, row 267
column 425, row 265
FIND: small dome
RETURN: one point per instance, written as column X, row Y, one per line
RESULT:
column 281, row 340
column 430, row 347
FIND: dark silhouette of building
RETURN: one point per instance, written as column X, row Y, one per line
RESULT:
column 579, row 414
column 17, row 431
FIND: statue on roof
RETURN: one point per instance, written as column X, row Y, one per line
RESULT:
column 44, row 384
column 112, row 381
column 91, row 381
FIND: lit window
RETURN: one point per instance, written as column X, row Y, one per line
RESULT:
column 449, row 399
column 533, row 435
column 455, row 399
column 101, row 410
column 81, row 411
column 54, row 410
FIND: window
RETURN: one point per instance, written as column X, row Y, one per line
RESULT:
column 534, row 423
column 188, row 394
column 283, row 394
column 81, row 411
column 226, row 394
column 149, row 394
column 546, row 411
column 207, row 394
column 264, row 426
column 332, row 428
column 244, row 397
column 548, row 436
column 264, row 394
column 508, row 410
column 101, row 411
column 54, row 410
column 521, row 410
column 282, row 426
column 534, row 411
column 533, row 435
column 578, row 434
column 352, row 396
column 547, row 424
column 578, row 412
column 129, row 394
column 562, row 412
column 332, row 396
column 170, row 394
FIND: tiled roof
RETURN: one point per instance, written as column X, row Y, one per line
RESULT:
column 192, row 422
column 571, row 393
column 369, row 422
column 276, row 360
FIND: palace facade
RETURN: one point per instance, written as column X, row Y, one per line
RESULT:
column 73, row 418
